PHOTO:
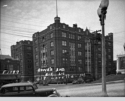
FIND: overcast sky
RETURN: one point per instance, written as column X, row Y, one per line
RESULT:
column 22, row 18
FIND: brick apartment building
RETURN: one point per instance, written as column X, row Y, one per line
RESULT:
column 97, row 54
column 71, row 48
column 23, row 51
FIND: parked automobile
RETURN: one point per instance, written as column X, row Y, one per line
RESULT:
column 88, row 78
column 75, row 82
column 78, row 81
column 26, row 90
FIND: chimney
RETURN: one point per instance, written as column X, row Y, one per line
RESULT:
column 74, row 25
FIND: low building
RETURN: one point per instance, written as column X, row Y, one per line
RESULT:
column 120, row 64
column 9, row 69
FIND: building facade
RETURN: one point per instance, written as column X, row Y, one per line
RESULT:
column 23, row 51
column 120, row 64
column 9, row 65
column 97, row 51
column 72, row 49
column 9, row 69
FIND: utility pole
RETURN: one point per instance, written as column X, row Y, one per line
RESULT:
column 102, row 10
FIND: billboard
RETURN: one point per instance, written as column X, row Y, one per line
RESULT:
column 122, row 63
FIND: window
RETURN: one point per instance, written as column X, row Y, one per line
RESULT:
column 8, row 90
column 80, row 68
column 36, row 56
column 64, row 26
column 64, row 60
column 52, row 52
column 36, row 41
column 29, row 48
column 22, row 88
column 63, row 43
column 43, row 38
column 80, row 61
column 79, row 53
column 79, row 37
column 71, row 36
column 99, row 42
column 99, row 55
column 109, row 64
column 29, row 88
column 28, row 42
column 51, row 35
column 109, row 50
column 34, row 35
column 64, row 51
column 52, row 61
column 37, row 64
column 109, row 38
column 50, row 27
column 63, row 34
column 109, row 56
column 99, row 49
column 79, row 45
column 79, row 30
column 36, row 49
column 15, row 89
column 51, row 44
column 109, row 43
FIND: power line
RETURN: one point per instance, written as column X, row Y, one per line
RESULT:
column 21, row 23
column 16, row 35
column 11, row 17
column 118, row 40
column 17, row 30
column 118, row 32
column 6, row 47
column 7, row 41
column 18, row 27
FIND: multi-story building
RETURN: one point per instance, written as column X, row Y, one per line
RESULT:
column 97, row 51
column 71, row 48
column 23, row 51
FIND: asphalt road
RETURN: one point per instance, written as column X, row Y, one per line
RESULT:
column 89, row 90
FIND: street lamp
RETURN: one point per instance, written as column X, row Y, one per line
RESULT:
column 102, row 15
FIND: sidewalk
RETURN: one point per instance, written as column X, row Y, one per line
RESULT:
column 84, row 84
column 110, row 82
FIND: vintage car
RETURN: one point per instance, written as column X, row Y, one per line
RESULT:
column 78, row 81
column 88, row 78
column 26, row 90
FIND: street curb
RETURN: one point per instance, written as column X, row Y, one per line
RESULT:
column 89, row 84
column 119, row 81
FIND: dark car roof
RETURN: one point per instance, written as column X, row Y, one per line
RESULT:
column 17, row 84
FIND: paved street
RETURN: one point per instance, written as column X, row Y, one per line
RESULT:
column 89, row 90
